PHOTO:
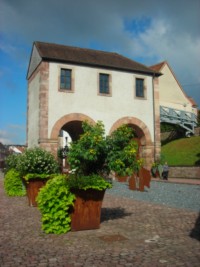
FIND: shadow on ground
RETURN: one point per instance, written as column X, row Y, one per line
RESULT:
column 195, row 233
column 113, row 213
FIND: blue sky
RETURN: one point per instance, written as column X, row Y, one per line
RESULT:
column 146, row 31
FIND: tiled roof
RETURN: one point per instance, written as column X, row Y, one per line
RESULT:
column 89, row 57
column 194, row 104
column 158, row 66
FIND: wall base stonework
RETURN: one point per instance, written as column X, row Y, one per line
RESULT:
column 197, row 131
column 185, row 172
column 51, row 145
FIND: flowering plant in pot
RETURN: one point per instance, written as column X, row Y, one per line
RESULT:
column 83, row 188
column 77, row 197
column 36, row 165
column 87, row 157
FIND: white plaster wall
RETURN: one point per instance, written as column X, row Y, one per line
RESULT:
column 85, row 98
column 171, row 94
column 33, row 112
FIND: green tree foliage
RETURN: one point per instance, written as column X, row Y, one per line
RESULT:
column 122, row 153
column 88, row 154
column 94, row 153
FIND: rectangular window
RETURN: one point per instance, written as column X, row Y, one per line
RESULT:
column 139, row 87
column 104, row 83
column 65, row 79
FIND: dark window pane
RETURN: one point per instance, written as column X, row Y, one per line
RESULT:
column 139, row 87
column 104, row 84
column 65, row 79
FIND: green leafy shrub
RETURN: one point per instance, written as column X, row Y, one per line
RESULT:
column 54, row 201
column 37, row 161
column 41, row 176
column 13, row 184
column 122, row 155
column 12, row 161
column 93, row 181
column 94, row 153
column 88, row 154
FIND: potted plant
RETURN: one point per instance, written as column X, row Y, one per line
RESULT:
column 36, row 165
column 76, row 198
column 157, row 167
column 89, row 193
column 87, row 157
column 122, row 155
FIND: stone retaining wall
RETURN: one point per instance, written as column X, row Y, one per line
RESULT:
column 185, row 172
column 197, row 131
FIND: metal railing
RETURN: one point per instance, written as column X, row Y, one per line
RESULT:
column 185, row 119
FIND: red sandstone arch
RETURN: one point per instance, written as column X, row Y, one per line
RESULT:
column 140, row 128
column 66, row 119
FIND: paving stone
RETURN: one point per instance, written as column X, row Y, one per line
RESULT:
column 136, row 233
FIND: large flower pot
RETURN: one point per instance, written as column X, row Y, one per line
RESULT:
column 140, row 180
column 86, row 213
column 133, row 182
column 121, row 179
column 32, row 188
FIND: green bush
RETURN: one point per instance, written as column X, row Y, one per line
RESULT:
column 122, row 155
column 37, row 161
column 88, row 154
column 12, row 161
column 54, row 201
column 93, row 181
column 13, row 184
column 94, row 153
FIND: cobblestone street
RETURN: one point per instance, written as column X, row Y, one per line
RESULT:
column 132, row 233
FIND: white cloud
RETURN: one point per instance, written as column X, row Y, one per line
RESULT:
column 172, row 35
column 4, row 137
column 158, row 43
column 7, row 48
column 13, row 134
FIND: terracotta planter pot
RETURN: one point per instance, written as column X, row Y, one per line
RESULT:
column 32, row 188
column 133, row 182
column 86, row 213
column 121, row 179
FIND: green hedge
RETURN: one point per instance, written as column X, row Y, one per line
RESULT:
column 13, row 184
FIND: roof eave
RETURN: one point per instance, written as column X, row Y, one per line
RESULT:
column 153, row 73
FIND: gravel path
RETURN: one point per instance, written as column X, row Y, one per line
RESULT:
column 170, row 194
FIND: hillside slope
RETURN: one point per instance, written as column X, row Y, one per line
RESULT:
column 182, row 152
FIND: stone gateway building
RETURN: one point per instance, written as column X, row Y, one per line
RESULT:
column 68, row 85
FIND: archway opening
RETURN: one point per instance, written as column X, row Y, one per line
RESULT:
column 74, row 129
column 69, row 132
column 139, row 134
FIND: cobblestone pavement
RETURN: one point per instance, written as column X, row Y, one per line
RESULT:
column 132, row 233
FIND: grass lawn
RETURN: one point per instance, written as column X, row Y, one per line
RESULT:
column 182, row 152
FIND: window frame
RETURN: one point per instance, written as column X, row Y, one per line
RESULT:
column 108, row 85
column 67, row 90
column 144, row 91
